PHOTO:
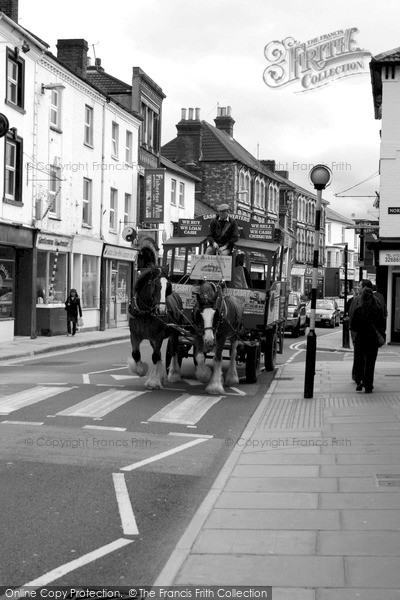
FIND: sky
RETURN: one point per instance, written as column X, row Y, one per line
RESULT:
column 212, row 53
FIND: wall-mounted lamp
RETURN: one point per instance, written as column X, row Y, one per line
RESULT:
column 25, row 47
column 52, row 86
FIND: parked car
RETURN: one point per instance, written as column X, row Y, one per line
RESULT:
column 327, row 312
column 296, row 321
column 340, row 303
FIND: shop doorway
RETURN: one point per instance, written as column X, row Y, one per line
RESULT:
column 395, row 320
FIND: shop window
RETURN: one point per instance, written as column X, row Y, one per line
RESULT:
column 90, row 281
column 51, row 282
column 6, row 288
column 15, row 79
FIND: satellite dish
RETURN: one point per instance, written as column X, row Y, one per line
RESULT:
column 129, row 234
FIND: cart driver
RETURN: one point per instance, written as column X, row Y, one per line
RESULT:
column 223, row 232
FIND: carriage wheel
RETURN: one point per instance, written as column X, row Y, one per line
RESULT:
column 270, row 349
column 253, row 363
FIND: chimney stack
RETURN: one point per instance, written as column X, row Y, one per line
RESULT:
column 10, row 8
column 73, row 53
column 189, row 138
column 268, row 164
column 224, row 121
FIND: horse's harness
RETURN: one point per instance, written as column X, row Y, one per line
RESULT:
column 217, row 302
column 149, row 310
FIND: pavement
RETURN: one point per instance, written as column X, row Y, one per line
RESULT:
column 308, row 501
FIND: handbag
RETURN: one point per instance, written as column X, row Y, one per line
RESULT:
column 80, row 322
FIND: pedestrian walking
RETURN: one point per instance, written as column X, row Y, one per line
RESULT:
column 74, row 310
column 351, row 306
column 367, row 320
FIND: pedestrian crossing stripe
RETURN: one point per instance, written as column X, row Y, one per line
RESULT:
column 26, row 398
column 186, row 410
column 100, row 404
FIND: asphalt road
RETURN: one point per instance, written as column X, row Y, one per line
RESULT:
column 100, row 478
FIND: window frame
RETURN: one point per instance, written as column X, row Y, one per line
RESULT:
column 181, row 200
column 173, row 192
column 16, row 197
column 55, row 203
column 128, row 147
column 114, row 139
column 19, row 63
column 113, row 210
column 127, row 207
column 87, row 201
column 56, row 109
column 88, row 126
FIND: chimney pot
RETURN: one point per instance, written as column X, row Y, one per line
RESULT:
column 183, row 114
column 190, row 114
column 197, row 114
column 224, row 120
column 228, row 111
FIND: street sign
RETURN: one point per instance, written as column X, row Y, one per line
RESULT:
column 393, row 210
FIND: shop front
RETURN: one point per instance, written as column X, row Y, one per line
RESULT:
column 308, row 282
column 52, row 282
column 297, row 279
column 389, row 265
column 116, row 285
column 17, row 266
column 85, row 278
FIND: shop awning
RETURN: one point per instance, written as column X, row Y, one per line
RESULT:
column 189, row 240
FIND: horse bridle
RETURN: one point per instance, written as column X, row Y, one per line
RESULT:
column 217, row 301
column 151, row 309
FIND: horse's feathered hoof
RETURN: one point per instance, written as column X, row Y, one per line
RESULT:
column 174, row 377
column 139, row 368
column 203, row 373
column 153, row 384
column 215, row 388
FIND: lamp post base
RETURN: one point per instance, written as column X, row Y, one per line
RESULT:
column 346, row 333
column 311, row 353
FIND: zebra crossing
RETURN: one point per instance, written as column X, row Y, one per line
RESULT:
column 187, row 409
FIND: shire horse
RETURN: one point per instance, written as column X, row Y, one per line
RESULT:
column 217, row 318
column 153, row 308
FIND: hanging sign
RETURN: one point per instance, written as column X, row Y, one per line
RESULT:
column 154, row 200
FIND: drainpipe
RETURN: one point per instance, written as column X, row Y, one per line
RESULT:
column 103, row 274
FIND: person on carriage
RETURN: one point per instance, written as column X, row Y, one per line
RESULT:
column 223, row 232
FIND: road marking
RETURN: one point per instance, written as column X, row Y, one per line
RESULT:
column 186, row 410
column 104, row 427
column 128, row 520
column 28, row 397
column 157, row 457
column 194, row 435
column 100, row 404
column 75, row 564
column 22, row 422
column 117, row 377
column 86, row 378
column 193, row 382
column 239, row 392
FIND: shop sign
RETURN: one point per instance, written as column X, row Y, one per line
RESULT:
column 389, row 257
column 154, row 207
column 119, row 253
column 350, row 274
column 309, row 272
column 298, row 271
column 213, row 268
column 249, row 230
column 47, row 241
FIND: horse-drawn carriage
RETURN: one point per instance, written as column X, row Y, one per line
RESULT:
column 246, row 282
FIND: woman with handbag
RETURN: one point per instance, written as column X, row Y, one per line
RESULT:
column 74, row 310
column 368, row 323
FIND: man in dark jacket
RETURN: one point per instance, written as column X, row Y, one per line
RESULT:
column 223, row 232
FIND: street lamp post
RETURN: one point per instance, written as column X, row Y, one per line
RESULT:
column 345, row 329
column 320, row 177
